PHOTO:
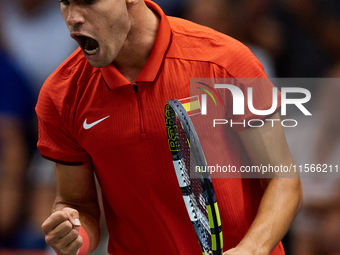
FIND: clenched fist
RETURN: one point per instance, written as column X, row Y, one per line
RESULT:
column 61, row 231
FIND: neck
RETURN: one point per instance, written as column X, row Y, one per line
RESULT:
column 139, row 42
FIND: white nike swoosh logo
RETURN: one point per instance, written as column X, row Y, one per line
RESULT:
column 88, row 126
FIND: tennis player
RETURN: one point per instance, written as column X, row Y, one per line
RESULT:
column 102, row 112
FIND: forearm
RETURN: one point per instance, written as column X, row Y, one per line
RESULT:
column 76, row 189
column 283, row 194
column 280, row 203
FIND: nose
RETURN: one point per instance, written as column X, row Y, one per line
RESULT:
column 74, row 15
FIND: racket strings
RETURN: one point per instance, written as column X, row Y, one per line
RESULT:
column 195, row 183
column 197, row 199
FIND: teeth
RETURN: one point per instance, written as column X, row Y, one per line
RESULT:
column 91, row 52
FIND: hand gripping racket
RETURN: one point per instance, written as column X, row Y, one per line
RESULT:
column 194, row 181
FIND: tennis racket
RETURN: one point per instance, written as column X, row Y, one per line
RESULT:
column 196, row 185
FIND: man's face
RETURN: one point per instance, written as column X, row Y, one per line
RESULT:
column 99, row 26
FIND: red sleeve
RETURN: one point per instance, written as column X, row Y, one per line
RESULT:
column 246, row 71
column 263, row 100
column 55, row 142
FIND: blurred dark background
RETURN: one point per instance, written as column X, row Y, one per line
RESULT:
column 291, row 38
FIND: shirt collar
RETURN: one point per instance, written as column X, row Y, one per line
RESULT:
column 115, row 79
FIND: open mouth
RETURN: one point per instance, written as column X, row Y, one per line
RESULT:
column 89, row 45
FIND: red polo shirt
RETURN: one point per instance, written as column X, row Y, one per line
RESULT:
column 89, row 114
